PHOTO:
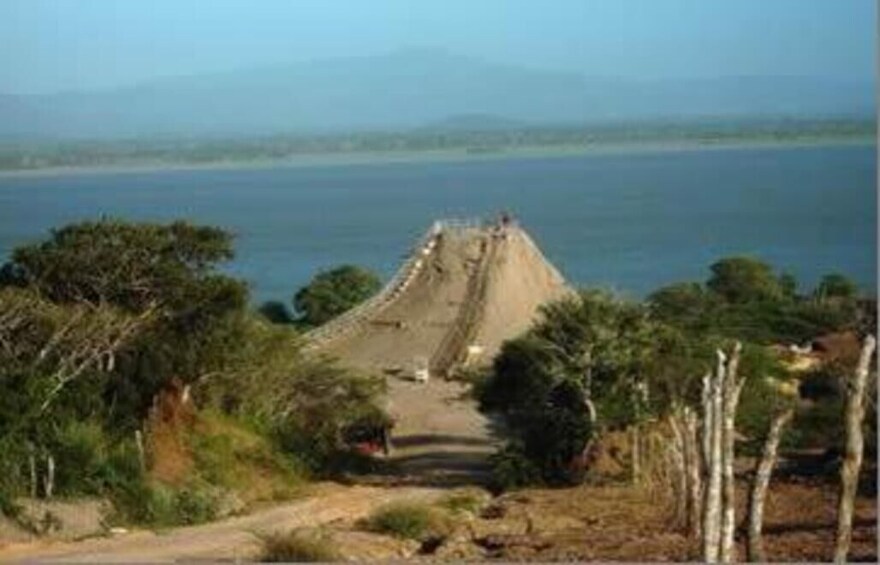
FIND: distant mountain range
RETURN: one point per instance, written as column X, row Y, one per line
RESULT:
column 414, row 88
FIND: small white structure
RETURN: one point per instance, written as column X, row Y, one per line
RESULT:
column 801, row 349
column 420, row 370
column 474, row 352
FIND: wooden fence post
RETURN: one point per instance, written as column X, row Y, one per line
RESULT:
column 852, row 461
column 758, row 495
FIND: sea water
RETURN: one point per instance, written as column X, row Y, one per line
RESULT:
column 630, row 220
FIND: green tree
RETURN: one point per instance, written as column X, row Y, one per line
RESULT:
column 582, row 366
column 330, row 293
column 744, row 279
column 275, row 312
column 138, row 268
column 133, row 266
column 788, row 284
column 835, row 286
column 687, row 305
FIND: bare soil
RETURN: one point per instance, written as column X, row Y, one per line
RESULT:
column 230, row 539
column 420, row 322
column 623, row 523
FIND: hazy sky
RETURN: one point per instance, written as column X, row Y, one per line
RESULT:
column 48, row 45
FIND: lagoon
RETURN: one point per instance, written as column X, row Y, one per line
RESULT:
column 631, row 220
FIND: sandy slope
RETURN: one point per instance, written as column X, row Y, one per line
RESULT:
column 479, row 286
column 520, row 280
column 416, row 322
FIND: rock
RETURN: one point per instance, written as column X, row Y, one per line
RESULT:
column 553, row 523
column 229, row 503
column 355, row 545
column 483, row 528
column 494, row 512
column 505, row 543
column 459, row 546
column 57, row 519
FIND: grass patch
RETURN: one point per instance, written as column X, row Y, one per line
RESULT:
column 462, row 501
column 230, row 455
column 231, row 467
column 161, row 506
column 409, row 521
column 300, row 547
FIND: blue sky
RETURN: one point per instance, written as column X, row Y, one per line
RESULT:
column 50, row 45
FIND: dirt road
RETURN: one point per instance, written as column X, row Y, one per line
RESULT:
column 232, row 538
column 440, row 438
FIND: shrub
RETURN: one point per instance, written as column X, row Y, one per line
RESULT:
column 511, row 468
column 744, row 279
column 330, row 293
column 275, row 312
column 299, row 547
column 463, row 501
column 195, row 505
column 81, row 458
column 408, row 521
column 160, row 505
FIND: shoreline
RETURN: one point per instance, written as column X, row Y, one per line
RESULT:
column 306, row 160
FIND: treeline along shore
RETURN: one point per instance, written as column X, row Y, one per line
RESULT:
column 472, row 138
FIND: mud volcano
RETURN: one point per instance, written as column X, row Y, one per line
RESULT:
column 464, row 289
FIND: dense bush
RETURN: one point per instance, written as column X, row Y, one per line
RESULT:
column 104, row 317
column 330, row 293
column 512, row 468
column 588, row 352
column 744, row 299
column 595, row 362
column 162, row 275
column 276, row 312
column 544, row 413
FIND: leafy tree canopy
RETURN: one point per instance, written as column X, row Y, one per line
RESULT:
column 167, row 269
column 836, row 286
column 129, row 265
column 330, row 293
column 744, row 299
column 744, row 279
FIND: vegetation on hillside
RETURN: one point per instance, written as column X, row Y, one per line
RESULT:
column 332, row 292
column 134, row 152
column 596, row 362
column 130, row 368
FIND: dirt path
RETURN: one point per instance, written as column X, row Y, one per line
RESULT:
column 440, row 438
column 232, row 538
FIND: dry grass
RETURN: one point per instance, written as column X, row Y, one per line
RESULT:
column 621, row 523
column 299, row 547
column 409, row 521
